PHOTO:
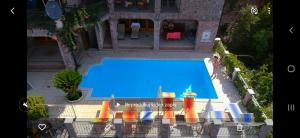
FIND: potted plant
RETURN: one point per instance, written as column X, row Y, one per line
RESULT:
column 68, row 81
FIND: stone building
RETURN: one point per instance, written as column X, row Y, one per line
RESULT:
column 166, row 25
column 196, row 21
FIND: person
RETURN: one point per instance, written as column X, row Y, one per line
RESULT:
column 216, row 63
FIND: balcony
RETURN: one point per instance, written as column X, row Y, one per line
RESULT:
column 134, row 5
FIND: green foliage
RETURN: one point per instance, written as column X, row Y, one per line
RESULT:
column 38, row 19
column 218, row 48
column 231, row 62
column 96, row 11
column 263, row 85
column 270, row 135
column 253, row 35
column 36, row 108
column 257, row 112
column 240, row 86
column 268, row 110
column 223, row 30
column 68, row 81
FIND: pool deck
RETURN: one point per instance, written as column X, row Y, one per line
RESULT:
column 42, row 86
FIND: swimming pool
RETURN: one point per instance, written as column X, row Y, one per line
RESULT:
column 140, row 78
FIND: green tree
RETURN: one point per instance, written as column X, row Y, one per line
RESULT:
column 252, row 35
column 36, row 107
column 68, row 81
column 263, row 85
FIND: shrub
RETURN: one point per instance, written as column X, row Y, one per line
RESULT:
column 240, row 86
column 68, row 81
column 218, row 48
column 252, row 108
column 263, row 85
column 36, row 108
column 268, row 110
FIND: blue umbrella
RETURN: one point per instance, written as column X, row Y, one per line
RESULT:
column 53, row 10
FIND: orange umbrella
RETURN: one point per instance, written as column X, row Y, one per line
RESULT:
column 168, row 98
column 130, row 115
column 190, row 115
column 104, row 112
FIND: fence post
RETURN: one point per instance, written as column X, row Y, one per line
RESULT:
column 118, row 125
column 248, row 96
column 69, row 126
column 165, row 128
column 214, row 130
column 266, row 128
column 235, row 73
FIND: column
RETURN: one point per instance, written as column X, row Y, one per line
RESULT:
column 157, row 7
column 165, row 128
column 248, row 97
column 206, row 33
column 156, row 34
column 66, row 55
column 111, row 6
column 263, row 132
column 235, row 73
column 99, row 35
column 113, row 32
column 214, row 130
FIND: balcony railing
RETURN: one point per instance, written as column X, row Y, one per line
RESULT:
column 134, row 5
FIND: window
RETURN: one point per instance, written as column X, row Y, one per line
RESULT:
column 170, row 5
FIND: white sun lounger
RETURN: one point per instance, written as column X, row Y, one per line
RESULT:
column 235, row 111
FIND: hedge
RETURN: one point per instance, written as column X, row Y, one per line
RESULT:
column 240, row 86
column 258, row 114
column 36, row 107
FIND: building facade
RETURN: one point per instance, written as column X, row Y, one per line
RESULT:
column 175, row 25
column 195, row 22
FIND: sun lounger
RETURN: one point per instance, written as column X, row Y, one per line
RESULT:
column 235, row 111
column 121, row 31
column 168, row 111
column 130, row 115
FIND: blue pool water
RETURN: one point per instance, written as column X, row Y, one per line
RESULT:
column 134, row 78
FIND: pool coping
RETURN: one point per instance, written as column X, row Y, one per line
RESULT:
column 89, row 90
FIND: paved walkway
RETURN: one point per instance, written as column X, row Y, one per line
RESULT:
column 42, row 85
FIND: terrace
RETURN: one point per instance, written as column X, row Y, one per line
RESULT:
column 84, row 112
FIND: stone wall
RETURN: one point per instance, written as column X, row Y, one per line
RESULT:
column 206, row 13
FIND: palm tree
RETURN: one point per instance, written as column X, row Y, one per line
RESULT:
column 68, row 81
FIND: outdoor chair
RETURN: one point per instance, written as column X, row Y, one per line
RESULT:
column 135, row 30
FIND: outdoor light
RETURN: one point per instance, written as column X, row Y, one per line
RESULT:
column 59, row 24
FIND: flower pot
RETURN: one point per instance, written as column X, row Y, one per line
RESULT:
column 76, row 100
